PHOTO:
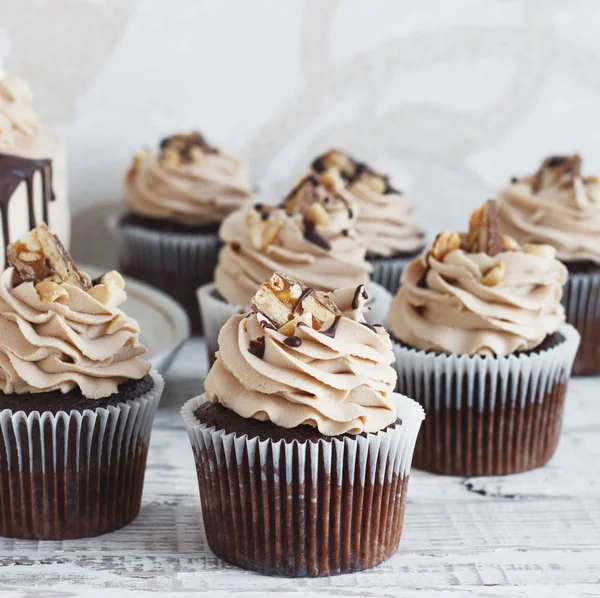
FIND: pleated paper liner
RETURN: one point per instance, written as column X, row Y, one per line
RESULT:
column 387, row 271
column 488, row 415
column 215, row 311
column 176, row 263
column 73, row 475
column 581, row 298
column 304, row 509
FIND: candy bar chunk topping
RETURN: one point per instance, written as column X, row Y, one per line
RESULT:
column 285, row 302
column 557, row 171
column 336, row 159
column 185, row 148
column 264, row 224
column 485, row 234
column 40, row 256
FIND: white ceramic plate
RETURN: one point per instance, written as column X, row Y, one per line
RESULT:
column 164, row 324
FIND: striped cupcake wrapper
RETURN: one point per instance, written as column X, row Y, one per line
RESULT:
column 487, row 415
column 304, row 509
column 74, row 474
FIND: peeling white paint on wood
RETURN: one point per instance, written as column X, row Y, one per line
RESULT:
column 534, row 534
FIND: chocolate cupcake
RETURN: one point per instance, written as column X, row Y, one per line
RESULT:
column 481, row 343
column 386, row 220
column 302, row 450
column 175, row 202
column 76, row 399
column 560, row 207
column 311, row 236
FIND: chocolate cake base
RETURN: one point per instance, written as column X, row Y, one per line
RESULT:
column 581, row 300
column 70, row 473
column 387, row 270
column 300, row 508
column 55, row 401
column 174, row 258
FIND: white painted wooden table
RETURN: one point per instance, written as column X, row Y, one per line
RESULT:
column 535, row 534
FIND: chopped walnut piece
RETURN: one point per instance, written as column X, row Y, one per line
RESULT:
column 374, row 181
column 282, row 299
column 557, row 171
column 39, row 255
column 485, row 235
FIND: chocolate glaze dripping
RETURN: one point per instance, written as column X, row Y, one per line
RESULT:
column 13, row 171
column 332, row 330
column 305, row 293
column 369, row 326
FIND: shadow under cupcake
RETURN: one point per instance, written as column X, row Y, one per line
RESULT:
column 480, row 342
column 302, row 450
column 561, row 207
column 76, row 400
column 175, row 202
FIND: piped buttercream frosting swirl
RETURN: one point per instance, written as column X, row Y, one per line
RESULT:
column 19, row 123
column 338, row 378
column 455, row 300
column 187, row 181
column 557, row 206
column 66, row 339
column 386, row 219
column 264, row 239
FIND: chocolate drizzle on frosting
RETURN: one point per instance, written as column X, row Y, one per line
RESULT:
column 305, row 293
column 360, row 291
column 331, row 331
column 311, row 235
column 292, row 341
column 257, row 347
column 13, row 171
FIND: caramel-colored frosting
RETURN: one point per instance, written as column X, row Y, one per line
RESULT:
column 19, row 124
column 386, row 220
column 193, row 184
column 561, row 210
column 255, row 248
column 338, row 383
column 455, row 300
column 58, row 337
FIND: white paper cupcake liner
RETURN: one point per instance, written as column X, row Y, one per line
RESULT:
column 581, row 299
column 74, row 474
column 175, row 263
column 387, row 271
column 309, row 508
column 215, row 311
column 488, row 415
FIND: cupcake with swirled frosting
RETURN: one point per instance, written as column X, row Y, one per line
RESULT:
column 300, row 406
column 311, row 236
column 76, row 397
column 23, row 135
column 560, row 206
column 386, row 219
column 176, row 199
column 481, row 343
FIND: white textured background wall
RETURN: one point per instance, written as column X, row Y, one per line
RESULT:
column 452, row 96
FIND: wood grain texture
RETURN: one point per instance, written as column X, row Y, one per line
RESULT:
column 534, row 534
